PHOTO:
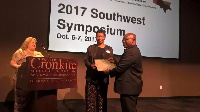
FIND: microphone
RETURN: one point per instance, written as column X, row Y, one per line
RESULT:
column 45, row 50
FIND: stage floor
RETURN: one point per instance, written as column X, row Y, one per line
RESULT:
column 172, row 104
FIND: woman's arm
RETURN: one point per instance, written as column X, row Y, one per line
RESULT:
column 14, row 64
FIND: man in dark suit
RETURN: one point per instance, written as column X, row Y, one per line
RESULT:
column 127, row 73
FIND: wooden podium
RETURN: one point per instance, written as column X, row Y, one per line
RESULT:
column 44, row 76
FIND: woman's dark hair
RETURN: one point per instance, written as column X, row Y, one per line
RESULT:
column 101, row 31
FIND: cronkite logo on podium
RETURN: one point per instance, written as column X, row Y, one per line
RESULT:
column 41, row 73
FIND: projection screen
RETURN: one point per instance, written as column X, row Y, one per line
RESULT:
column 73, row 24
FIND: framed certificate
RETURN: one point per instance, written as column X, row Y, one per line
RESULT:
column 103, row 64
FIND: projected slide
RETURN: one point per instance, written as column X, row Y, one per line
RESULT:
column 73, row 24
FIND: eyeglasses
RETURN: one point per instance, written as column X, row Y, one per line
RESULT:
column 124, row 39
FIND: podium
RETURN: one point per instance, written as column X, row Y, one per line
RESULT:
column 44, row 76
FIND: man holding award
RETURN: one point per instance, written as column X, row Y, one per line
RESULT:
column 127, row 73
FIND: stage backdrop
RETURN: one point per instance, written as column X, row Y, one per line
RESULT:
column 155, row 23
column 23, row 18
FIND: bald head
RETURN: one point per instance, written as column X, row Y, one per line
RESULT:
column 129, row 40
column 130, row 35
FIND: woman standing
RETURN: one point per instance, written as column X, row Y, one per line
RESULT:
column 28, row 48
column 97, row 81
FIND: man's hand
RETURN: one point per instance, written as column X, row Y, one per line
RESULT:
column 111, row 60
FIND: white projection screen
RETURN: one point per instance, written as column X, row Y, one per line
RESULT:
column 73, row 24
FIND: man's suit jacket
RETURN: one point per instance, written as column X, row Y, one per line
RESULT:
column 128, row 72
